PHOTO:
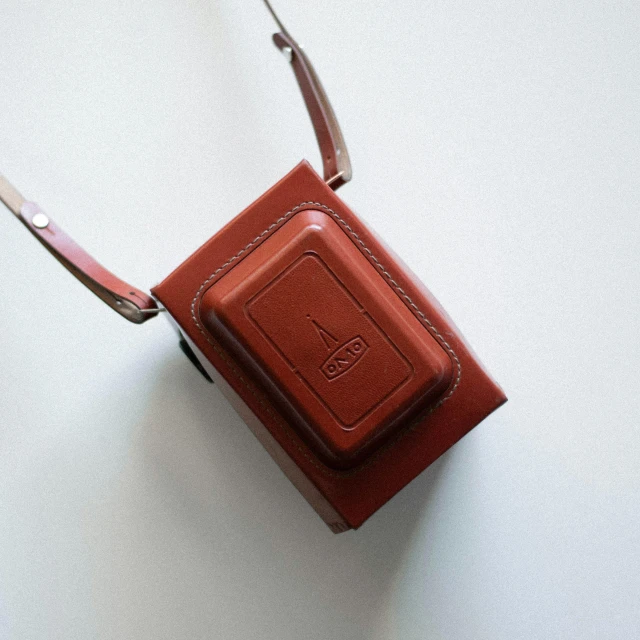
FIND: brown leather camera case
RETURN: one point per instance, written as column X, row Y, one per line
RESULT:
column 340, row 361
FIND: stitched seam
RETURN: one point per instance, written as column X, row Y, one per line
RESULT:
column 430, row 327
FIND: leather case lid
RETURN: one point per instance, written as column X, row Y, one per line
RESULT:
column 318, row 325
column 343, row 497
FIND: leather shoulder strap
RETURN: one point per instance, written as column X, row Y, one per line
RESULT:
column 335, row 157
column 128, row 301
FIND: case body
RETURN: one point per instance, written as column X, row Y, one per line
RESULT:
column 337, row 357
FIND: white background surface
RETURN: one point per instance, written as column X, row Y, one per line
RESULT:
column 495, row 147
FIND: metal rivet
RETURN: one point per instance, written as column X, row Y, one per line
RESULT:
column 40, row 221
column 287, row 52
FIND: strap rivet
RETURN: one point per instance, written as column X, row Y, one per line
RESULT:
column 287, row 52
column 40, row 221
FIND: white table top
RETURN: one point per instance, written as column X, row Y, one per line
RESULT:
column 495, row 148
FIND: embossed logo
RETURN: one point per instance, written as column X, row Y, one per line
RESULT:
column 343, row 356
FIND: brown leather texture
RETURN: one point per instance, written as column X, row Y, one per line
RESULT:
column 257, row 374
column 344, row 357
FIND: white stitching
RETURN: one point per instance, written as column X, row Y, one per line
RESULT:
column 429, row 325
